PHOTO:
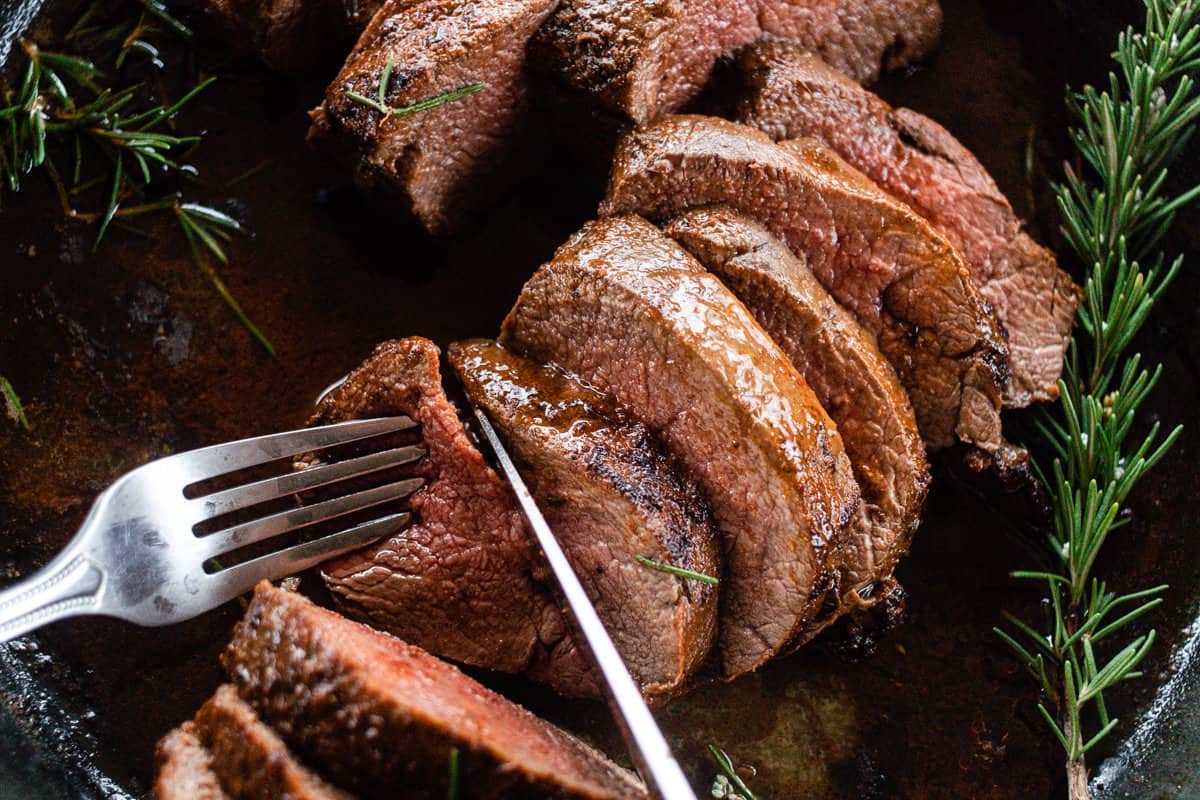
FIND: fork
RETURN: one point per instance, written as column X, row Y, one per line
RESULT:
column 138, row 557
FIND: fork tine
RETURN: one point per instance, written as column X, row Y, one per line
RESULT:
column 275, row 524
column 238, row 497
column 209, row 462
column 241, row 578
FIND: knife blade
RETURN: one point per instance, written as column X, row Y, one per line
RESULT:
column 647, row 746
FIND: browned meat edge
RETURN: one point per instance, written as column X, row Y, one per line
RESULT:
column 611, row 494
column 848, row 374
column 381, row 717
column 789, row 93
column 900, row 278
column 629, row 311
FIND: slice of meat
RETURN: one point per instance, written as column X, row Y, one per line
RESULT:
column 789, row 93
column 629, row 311
column 441, row 163
column 250, row 760
column 846, row 371
column 292, row 36
column 860, row 37
column 460, row 582
column 184, row 768
column 900, row 278
column 611, row 494
column 643, row 58
column 381, row 717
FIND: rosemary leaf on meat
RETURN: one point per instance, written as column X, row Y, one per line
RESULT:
column 85, row 117
column 728, row 784
column 1115, row 210
column 13, row 404
column 379, row 102
column 680, row 571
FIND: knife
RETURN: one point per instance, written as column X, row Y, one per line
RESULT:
column 647, row 746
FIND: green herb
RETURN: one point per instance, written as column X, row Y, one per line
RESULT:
column 725, row 763
column 452, row 792
column 683, row 573
column 83, row 117
column 379, row 102
column 1115, row 212
column 15, row 410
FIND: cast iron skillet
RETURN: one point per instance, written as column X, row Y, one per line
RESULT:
column 127, row 355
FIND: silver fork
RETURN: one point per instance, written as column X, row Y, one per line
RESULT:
column 138, row 558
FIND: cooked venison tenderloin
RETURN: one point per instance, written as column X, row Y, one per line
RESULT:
column 789, row 93
column 860, row 37
column 611, row 494
column 460, row 581
column 630, row 312
column 250, row 760
column 846, row 371
column 292, row 36
column 902, row 280
column 381, row 717
column 438, row 164
column 639, row 58
column 643, row 58
column 184, row 768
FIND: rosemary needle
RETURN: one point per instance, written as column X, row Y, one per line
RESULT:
column 683, row 573
column 453, row 789
column 726, row 765
column 379, row 102
column 15, row 409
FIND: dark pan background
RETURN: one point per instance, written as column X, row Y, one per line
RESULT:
column 128, row 355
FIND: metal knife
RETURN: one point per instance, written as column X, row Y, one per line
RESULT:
column 645, row 741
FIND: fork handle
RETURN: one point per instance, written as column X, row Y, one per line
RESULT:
column 68, row 586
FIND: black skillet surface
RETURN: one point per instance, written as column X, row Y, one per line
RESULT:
column 128, row 355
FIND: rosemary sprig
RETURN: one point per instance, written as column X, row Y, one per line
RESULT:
column 74, row 108
column 731, row 780
column 680, row 571
column 1114, row 212
column 13, row 404
column 379, row 102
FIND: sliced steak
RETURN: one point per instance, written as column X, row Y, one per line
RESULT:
column 846, row 371
column 640, row 58
column 860, row 37
column 381, row 717
column 251, row 761
column 900, row 278
column 292, row 36
column 184, row 768
column 643, row 58
column 629, row 311
column 789, row 94
column 441, row 163
column 460, row 582
column 611, row 494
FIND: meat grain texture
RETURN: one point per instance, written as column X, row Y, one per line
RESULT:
column 643, row 58
column 249, row 759
column 902, row 280
column 612, row 495
column 789, row 93
column 460, row 582
column 843, row 366
column 633, row 314
column 442, row 163
column 381, row 717
column 183, row 768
